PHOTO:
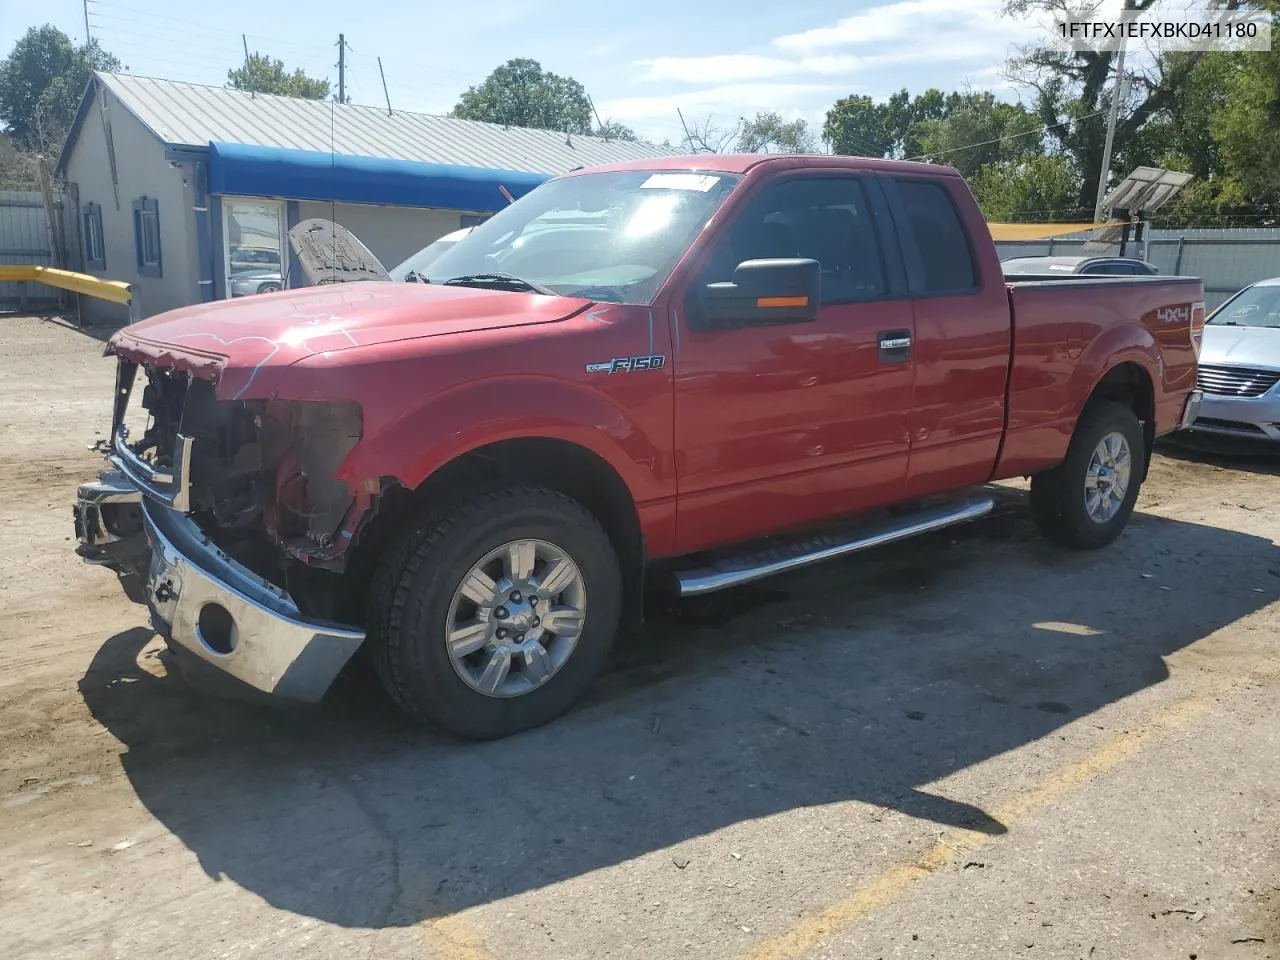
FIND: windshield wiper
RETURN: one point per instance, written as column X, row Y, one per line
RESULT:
column 501, row 281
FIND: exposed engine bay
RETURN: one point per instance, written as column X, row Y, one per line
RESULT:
column 263, row 483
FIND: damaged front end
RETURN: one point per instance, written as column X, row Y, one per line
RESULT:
column 228, row 519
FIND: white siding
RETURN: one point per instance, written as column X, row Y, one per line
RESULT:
column 142, row 171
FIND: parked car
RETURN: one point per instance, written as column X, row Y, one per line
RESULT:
column 249, row 282
column 253, row 258
column 1240, row 365
column 1046, row 267
column 696, row 372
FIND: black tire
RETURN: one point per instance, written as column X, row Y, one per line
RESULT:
column 1058, row 495
column 269, row 288
column 414, row 586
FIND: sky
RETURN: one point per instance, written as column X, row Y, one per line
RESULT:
column 639, row 62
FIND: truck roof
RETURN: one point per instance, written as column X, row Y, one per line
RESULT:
column 742, row 162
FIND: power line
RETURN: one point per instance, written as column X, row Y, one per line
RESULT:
column 211, row 52
column 157, row 22
column 1013, row 136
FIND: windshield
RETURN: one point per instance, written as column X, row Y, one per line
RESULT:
column 427, row 255
column 1256, row 306
column 606, row 236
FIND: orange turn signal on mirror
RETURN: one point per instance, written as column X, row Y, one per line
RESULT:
column 782, row 301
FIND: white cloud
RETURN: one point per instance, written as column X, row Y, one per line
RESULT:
column 800, row 74
column 725, row 102
column 723, row 68
column 879, row 39
column 908, row 20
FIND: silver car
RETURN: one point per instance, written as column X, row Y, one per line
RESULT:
column 1240, row 365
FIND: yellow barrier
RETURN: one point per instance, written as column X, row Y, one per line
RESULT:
column 1043, row 231
column 115, row 291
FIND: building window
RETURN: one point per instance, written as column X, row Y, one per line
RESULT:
column 473, row 219
column 95, row 250
column 146, row 235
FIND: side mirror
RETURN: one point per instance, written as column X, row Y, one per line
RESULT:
column 764, row 292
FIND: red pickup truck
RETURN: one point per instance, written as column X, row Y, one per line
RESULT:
column 706, row 370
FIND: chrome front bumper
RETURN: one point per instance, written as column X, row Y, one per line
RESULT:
column 1191, row 409
column 204, row 601
column 1252, row 418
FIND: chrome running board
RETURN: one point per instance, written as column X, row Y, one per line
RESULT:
column 736, row 569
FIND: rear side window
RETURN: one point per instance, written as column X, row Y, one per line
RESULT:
column 945, row 255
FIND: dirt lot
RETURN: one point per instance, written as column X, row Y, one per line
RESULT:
column 971, row 746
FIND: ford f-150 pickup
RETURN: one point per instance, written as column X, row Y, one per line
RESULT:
column 700, row 371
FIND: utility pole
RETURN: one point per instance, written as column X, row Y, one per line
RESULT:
column 248, row 74
column 342, row 69
column 1117, row 94
column 88, row 37
column 384, row 86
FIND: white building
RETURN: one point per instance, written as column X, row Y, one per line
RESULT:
column 188, row 191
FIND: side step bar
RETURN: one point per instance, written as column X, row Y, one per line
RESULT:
column 737, row 569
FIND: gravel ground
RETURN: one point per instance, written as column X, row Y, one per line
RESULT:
column 971, row 746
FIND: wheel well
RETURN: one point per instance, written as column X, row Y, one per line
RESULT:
column 1130, row 384
column 535, row 461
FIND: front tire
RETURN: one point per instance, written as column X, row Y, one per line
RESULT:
column 496, row 619
column 1085, row 502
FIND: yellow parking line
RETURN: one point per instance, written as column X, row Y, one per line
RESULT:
column 812, row 930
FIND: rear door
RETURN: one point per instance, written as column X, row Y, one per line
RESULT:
column 780, row 425
column 963, row 332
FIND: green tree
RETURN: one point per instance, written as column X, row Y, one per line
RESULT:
column 614, row 130
column 857, row 125
column 767, row 132
column 521, row 94
column 262, row 74
column 976, row 130
column 1044, row 188
column 18, row 169
column 1247, row 132
column 42, row 81
column 1073, row 90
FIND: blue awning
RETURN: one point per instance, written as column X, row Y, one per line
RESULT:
column 254, row 171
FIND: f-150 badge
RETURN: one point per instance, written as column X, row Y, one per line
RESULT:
column 628, row 364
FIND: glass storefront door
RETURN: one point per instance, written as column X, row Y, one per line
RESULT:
column 254, row 246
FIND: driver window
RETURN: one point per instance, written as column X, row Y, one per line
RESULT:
column 823, row 219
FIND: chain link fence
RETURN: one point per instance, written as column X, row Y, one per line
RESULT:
column 1225, row 259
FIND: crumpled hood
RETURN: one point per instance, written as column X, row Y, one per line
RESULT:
column 1257, row 347
column 231, row 340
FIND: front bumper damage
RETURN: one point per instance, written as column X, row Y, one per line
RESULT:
column 134, row 521
column 204, row 601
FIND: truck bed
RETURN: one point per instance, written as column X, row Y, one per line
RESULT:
column 1067, row 331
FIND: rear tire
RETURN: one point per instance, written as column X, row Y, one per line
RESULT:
column 1085, row 502
column 528, row 634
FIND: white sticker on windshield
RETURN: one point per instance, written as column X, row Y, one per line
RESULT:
column 680, row 181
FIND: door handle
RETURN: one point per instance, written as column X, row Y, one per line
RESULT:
column 894, row 346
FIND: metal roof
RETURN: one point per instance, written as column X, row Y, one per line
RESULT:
column 188, row 114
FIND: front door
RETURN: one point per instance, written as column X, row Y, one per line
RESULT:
column 780, row 425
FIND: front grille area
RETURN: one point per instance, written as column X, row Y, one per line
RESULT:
column 1236, row 381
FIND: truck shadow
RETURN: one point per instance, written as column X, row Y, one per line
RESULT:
column 859, row 681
